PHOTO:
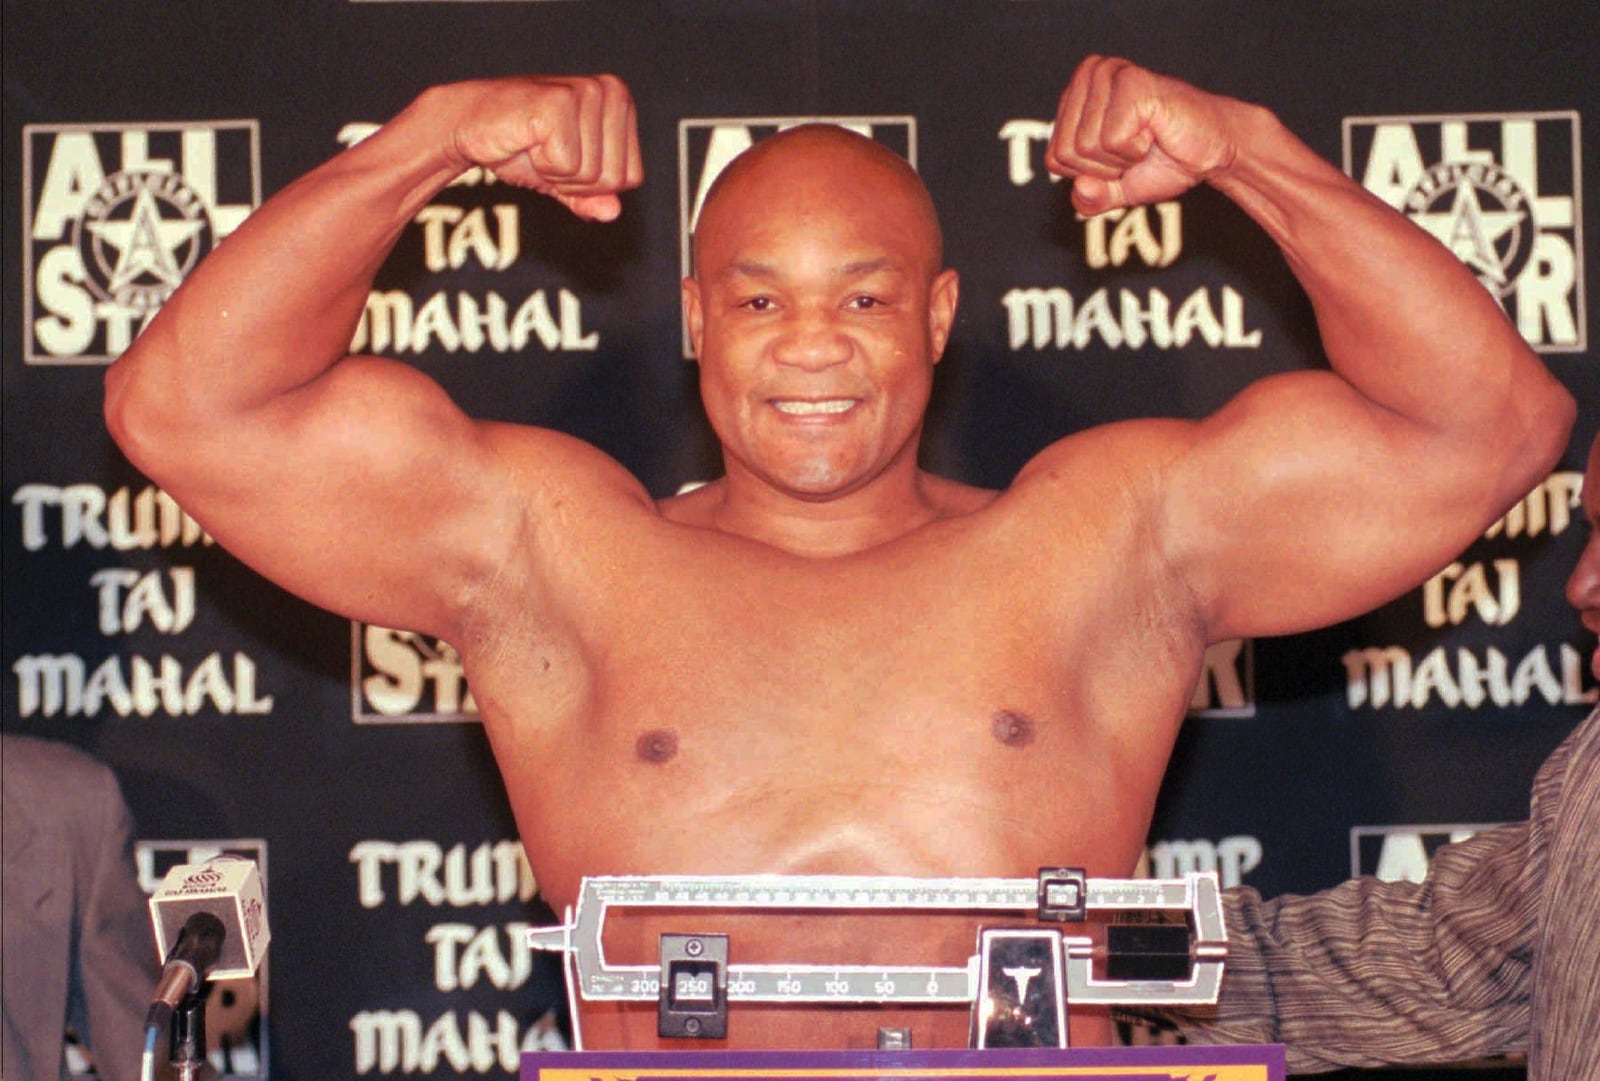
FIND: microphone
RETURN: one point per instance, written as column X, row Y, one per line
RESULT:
column 210, row 923
column 191, row 960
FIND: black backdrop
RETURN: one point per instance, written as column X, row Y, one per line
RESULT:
column 345, row 758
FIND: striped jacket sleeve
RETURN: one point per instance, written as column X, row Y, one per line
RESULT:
column 1496, row 952
column 1370, row 973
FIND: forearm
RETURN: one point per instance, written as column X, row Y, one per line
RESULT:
column 1402, row 320
column 276, row 304
column 1369, row 973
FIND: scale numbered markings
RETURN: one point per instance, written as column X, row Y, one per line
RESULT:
column 1197, row 895
column 822, row 891
column 799, row 983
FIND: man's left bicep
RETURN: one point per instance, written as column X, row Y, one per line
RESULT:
column 1301, row 503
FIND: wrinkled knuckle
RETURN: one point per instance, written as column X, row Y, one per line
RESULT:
column 559, row 154
column 584, row 89
column 556, row 92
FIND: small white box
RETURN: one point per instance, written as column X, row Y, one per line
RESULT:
column 229, row 888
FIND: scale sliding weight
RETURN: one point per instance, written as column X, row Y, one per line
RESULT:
column 1028, row 972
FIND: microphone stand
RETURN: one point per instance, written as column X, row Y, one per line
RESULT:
column 189, row 1036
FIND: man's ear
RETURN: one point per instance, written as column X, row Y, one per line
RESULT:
column 942, row 297
column 693, row 315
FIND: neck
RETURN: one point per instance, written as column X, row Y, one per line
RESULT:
column 875, row 514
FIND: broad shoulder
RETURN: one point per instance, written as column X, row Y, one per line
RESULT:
column 1103, row 498
column 543, row 467
column 1130, row 462
column 549, row 504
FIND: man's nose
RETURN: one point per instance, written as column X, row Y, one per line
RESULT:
column 812, row 340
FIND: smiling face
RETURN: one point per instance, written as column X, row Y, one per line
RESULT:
column 817, row 310
column 1583, row 587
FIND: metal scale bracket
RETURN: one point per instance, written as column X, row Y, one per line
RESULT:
column 694, row 980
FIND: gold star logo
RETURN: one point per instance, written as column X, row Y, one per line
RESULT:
column 144, row 233
column 1477, row 212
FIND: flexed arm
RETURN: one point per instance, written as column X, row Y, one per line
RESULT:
column 1315, row 496
column 355, row 481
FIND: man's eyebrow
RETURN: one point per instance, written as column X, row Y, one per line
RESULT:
column 749, row 268
column 862, row 267
column 745, row 268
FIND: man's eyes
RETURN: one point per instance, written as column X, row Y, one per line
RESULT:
column 860, row 303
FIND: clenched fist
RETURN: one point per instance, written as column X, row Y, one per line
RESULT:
column 575, row 139
column 1128, row 136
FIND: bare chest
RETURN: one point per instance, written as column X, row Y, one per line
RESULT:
column 916, row 716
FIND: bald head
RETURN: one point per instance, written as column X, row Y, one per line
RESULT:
column 802, row 169
column 818, row 308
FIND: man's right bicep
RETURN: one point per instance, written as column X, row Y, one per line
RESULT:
column 365, row 491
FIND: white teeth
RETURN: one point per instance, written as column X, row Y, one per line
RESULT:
column 801, row 409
